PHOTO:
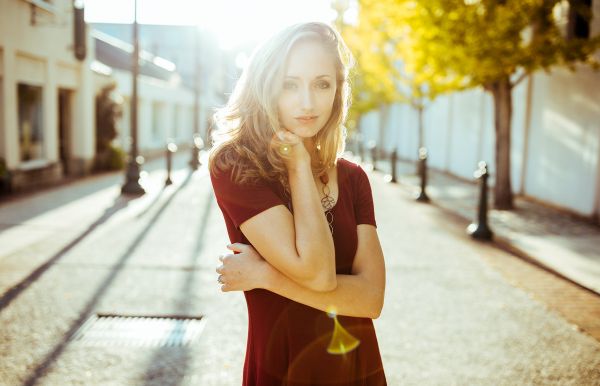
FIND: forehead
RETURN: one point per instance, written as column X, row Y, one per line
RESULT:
column 309, row 59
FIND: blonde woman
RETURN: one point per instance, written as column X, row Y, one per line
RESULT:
column 299, row 217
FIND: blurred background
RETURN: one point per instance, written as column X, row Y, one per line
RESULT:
column 509, row 82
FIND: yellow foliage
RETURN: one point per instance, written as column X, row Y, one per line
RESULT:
column 433, row 46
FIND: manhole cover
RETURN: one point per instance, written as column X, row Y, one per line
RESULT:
column 140, row 331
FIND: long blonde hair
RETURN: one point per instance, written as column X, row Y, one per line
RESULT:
column 245, row 140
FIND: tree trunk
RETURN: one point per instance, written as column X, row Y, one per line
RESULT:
column 421, row 134
column 384, row 113
column 502, row 93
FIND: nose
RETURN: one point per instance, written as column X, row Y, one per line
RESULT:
column 307, row 100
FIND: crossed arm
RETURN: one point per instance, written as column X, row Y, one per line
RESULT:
column 295, row 254
column 359, row 294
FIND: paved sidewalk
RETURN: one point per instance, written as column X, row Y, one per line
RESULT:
column 449, row 317
column 557, row 241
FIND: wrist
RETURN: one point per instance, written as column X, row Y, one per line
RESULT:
column 300, row 165
column 270, row 277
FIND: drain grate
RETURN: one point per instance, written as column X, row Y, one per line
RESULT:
column 139, row 331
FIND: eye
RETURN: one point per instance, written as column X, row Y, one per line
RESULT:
column 287, row 85
column 323, row 85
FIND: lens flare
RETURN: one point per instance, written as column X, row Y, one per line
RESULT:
column 342, row 342
column 284, row 149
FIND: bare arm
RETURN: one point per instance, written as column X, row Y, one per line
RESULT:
column 359, row 294
column 300, row 246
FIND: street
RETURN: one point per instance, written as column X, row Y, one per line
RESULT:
column 450, row 317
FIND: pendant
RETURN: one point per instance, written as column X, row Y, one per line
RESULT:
column 327, row 202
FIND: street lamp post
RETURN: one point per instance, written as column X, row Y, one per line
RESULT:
column 132, row 183
column 196, row 136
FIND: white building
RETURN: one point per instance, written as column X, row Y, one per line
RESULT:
column 160, row 113
column 165, row 106
column 46, row 94
column 555, row 154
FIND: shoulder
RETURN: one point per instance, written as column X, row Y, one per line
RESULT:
column 229, row 177
column 224, row 179
column 351, row 169
column 227, row 185
column 219, row 175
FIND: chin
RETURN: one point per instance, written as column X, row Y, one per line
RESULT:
column 304, row 132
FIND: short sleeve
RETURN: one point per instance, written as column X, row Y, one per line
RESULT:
column 364, row 210
column 242, row 201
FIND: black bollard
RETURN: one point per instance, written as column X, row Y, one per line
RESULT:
column 361, row 151
column 171, row 148
column 393, row 162
column 480, row 230
column 422, row 197
column 373, row 148
column 197, row 145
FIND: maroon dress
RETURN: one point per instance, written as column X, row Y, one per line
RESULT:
column 287, row 341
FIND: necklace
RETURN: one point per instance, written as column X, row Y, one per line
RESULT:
column 327, row 202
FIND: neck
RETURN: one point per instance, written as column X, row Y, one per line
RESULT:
column 311, row 147
column 309, row 144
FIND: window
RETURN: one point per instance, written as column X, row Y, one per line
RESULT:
column 30, row 122
column 580, row 14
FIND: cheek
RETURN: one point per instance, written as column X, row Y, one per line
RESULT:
column 326, row 101
column 284, row 107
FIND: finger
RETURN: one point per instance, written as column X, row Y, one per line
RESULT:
column 219, row 269
column 225, row 258
column 292, row 137
column 287, row 136
column 237, row 247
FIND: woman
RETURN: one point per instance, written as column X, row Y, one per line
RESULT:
column 300, row 219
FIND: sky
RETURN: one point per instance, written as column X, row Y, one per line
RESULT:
column 231, row 21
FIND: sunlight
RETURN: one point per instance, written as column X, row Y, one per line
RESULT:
column 232, row 22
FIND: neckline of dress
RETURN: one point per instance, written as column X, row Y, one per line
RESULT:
column 338, row 178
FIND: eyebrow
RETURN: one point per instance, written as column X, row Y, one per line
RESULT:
column 318, row 77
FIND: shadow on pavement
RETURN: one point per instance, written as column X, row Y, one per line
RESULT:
column 10, row 295
column 184, row 355
column 41, row 369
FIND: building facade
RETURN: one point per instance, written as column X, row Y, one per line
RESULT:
column 46, row 94
column 50, row 76
column 198, row 61
column 165, row 105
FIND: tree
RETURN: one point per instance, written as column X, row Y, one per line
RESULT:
column 458, row 44
column 379, row 77
column 108, row 112
column 369, row 91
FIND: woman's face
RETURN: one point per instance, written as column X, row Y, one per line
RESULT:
column 308, row 89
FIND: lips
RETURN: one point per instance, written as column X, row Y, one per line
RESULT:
column 306, row 118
